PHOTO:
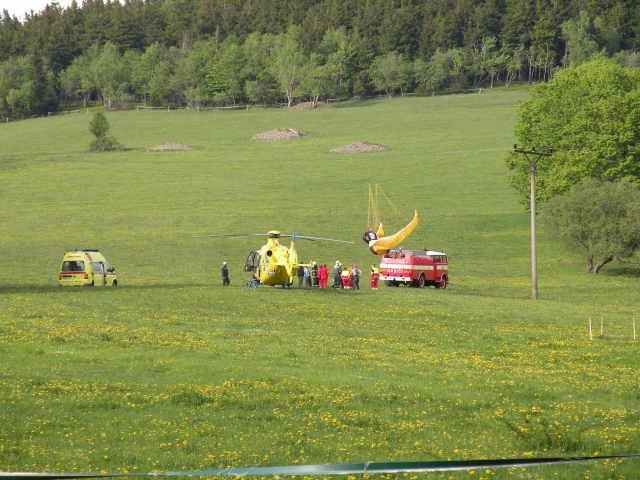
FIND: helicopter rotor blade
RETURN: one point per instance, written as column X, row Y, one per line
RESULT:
column 294, row 236
column 233, row 235
column 312, row 238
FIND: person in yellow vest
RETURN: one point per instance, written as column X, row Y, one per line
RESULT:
column 375, row 276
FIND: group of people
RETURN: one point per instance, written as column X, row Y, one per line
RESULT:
column 349, row 277
column 314, row 275
column 318, row 276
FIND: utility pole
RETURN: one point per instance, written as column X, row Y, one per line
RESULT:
column 546, row 152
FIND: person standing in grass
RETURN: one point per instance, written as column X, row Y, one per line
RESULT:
column 307, row 277
column 337, row 275
column 314, row 274
column 224, row 272
column 356, row 272
column 375, row 276
column 300, row 275
column 323, row 276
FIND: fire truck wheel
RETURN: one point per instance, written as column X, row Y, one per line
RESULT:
column 391, row 283
column 421, row 281
column 443, row 282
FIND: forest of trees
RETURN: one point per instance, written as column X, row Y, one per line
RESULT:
column 213, row 52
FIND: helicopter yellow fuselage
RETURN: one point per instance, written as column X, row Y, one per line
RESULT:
column 278, row 263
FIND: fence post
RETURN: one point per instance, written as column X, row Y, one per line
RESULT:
column 601, row 327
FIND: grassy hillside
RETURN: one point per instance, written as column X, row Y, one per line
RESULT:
column 171, row 371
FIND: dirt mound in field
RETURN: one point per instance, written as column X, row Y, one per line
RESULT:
column 360, row 147
column 278, row 135
column 171, row 147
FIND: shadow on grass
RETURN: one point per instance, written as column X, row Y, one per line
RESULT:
column 120, row 149
column 38, row 288
column 357, row 103
column 34, row 288
column 625, row 270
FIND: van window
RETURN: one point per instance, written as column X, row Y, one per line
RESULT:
column 74, row 266
column 97, row 267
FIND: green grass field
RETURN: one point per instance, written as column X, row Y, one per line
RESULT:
column 172, row 372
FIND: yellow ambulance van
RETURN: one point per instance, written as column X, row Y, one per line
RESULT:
column 86, row 268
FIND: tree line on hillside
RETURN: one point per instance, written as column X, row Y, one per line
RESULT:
column 211, row 52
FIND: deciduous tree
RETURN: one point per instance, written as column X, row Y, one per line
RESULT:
column 602, row 219
column 579, row 34
column 111, row 75
column 224, row 78
column 443, row 70
column 391, row 72
column 287, row 65
column 590, row 116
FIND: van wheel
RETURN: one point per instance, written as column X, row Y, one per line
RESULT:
column 421, row 281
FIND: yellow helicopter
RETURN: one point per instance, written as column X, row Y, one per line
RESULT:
column 275, row 264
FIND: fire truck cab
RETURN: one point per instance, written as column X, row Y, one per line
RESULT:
column 416, row 268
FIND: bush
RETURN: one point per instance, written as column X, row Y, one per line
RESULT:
column 99, row 126
column 105, row 144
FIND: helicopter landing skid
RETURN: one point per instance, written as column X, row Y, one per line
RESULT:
column 252, row 284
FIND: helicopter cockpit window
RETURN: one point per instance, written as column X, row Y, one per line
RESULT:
column 252, row 262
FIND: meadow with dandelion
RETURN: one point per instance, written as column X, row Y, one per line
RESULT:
column 170, row 371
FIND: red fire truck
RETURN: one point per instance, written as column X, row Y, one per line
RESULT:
column 416, row 268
